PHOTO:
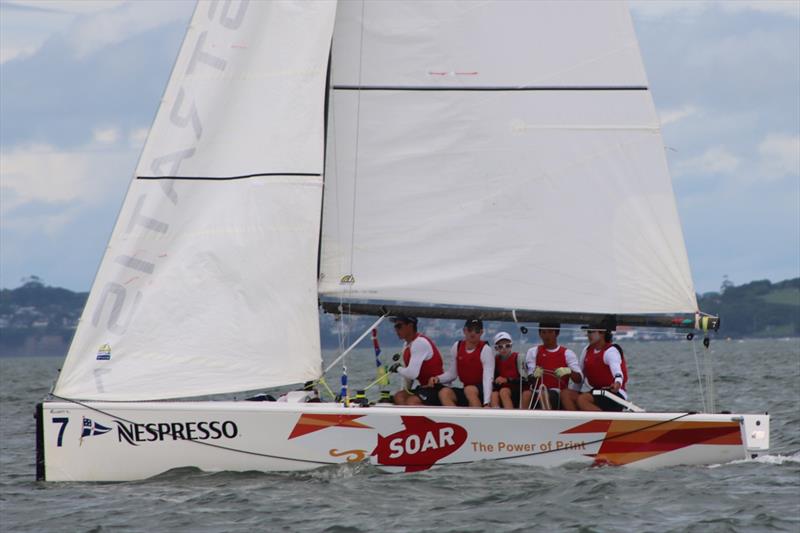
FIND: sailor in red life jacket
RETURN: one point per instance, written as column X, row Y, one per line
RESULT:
column 472, row 361
column 553, row 365
column 509, row 373
column 604, row 367
column 421, row 362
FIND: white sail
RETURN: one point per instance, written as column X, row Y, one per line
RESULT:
column 498, row 154
column 208, row 284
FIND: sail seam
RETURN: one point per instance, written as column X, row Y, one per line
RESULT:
column 489, row 88
column 223, row 178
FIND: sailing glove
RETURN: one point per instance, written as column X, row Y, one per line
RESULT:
column 538, row 372
column 394, row 367
column 563, row 371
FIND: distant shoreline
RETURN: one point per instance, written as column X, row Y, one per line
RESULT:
column 37, row 320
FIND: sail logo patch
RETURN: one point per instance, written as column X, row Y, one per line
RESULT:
column 135, row 434
column 91, row 428
column 104, row 352
column 420, row 445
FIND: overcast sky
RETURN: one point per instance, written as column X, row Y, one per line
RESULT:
column 80, row 82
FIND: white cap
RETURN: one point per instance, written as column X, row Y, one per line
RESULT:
column 501, row 336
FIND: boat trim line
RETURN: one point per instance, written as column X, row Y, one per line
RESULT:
column 605, row 438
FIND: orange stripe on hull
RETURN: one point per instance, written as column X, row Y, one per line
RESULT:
column 628, row 441
column 310, row 423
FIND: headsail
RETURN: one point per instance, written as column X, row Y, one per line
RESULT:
column 498, row 154
column 208, row 284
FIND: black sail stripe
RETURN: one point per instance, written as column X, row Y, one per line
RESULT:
column 224, row 178
column 490, row 88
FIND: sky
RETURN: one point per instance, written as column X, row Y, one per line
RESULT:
column 80, row 82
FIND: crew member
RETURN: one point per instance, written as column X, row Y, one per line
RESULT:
column 421, row 362
column 508, row 374
column 604, row 367
column 472, row 360
column 553, row 365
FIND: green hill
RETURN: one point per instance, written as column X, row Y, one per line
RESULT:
column 756, row 309
column 36, row 319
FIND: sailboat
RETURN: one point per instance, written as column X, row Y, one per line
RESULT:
column 446, row 159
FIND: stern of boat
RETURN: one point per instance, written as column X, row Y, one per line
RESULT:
column 37, row 415
column 755, row 434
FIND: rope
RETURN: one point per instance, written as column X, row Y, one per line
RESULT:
column 204, row 443
column 699, row 377
column 358, row 132
column 354, row 344
column 259, row 454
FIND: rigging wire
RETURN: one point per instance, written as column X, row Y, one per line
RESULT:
column 259, row 454
column 346, row 324
column 699, row 378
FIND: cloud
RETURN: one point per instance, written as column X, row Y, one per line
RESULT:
column 669, row 116
column 137, row 137
column 786, row 8
column 106, row 135
column 108, row 27
column 63, row 6
column 694, row 8
column 780, row 156
column 56, row 184
column 8, row 53
column 715, row 160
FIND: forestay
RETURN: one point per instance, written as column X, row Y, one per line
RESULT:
column 498, row 154
column 208, row 284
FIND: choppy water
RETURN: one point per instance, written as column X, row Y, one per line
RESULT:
column 757, row 495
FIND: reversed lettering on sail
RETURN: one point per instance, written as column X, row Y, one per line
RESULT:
column 197, row 280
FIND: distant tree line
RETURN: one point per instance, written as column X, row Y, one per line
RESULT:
column 36, row 319
column 756, row 309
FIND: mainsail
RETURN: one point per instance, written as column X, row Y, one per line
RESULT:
column 208, row 284
column 497, row 155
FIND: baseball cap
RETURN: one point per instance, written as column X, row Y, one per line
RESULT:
column 502, row 335
column 601, row 325
column 405, row 319
column 474, row 323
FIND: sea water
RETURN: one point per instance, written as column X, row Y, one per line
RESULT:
column 750, row 495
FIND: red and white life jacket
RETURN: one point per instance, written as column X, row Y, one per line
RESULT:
column 507, row 367
column 598, row 372
column 430, row 367
column 549, row 361
column 469, row 365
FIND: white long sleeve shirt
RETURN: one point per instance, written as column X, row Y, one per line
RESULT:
column 572, row 361
column 613, row 359
column 421, row 351
column 487, row 360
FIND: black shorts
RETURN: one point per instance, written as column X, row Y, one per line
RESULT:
column 428, row 395
column 553, row 395
column 461, row 398
column 608, row 405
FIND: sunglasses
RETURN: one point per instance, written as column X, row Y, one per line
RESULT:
column 503, row 346
column 475, row 329
column 399, row 325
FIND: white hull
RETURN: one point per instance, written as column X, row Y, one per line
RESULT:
column 127, row 441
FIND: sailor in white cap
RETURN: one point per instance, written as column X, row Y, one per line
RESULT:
column 508, row 374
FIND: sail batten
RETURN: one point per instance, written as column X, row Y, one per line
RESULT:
column 525, row 172
column 485, row 88
column 209, row 281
